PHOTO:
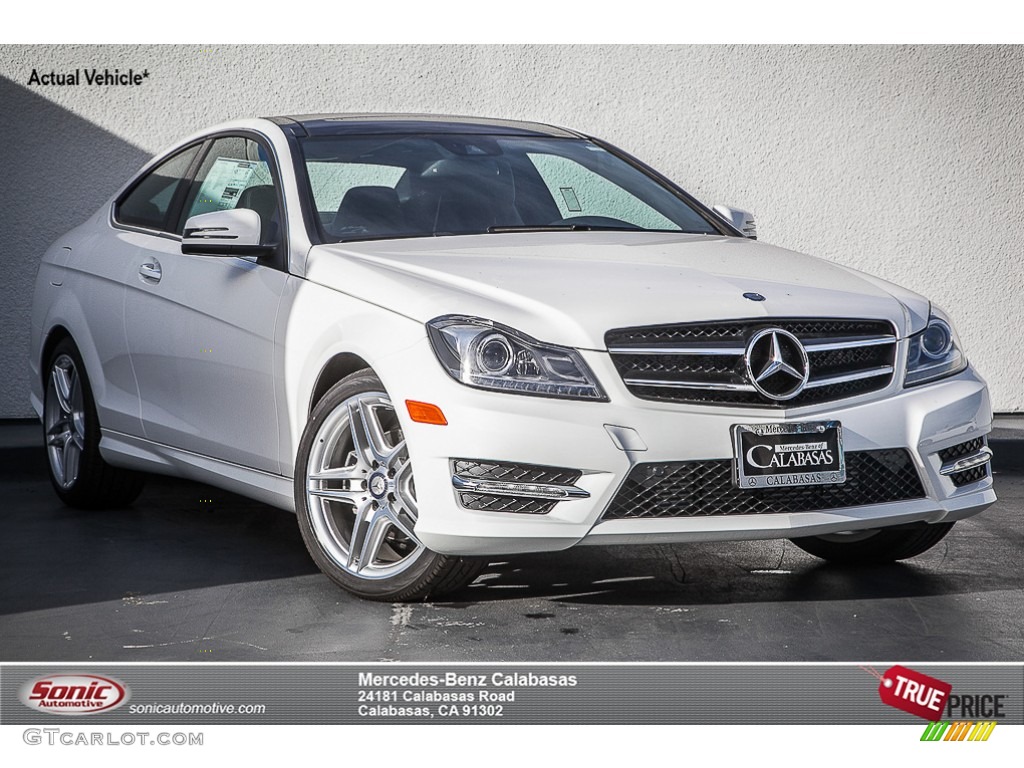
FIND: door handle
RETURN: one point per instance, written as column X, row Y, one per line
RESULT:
column 151, row 271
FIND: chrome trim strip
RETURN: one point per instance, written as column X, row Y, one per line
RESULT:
column 984, row 456
column 720, row 386
column 870, row 373
column 548, row 491
column 820, row 345
column 115, row 224
column 695, row 350
column 826, row 345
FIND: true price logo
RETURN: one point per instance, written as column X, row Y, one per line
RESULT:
column 73, row 694
column 913, row 692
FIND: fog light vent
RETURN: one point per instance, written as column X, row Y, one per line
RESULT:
column 518, row 488
column 966, row 463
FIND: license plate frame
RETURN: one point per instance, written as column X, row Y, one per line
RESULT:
column 812, row 454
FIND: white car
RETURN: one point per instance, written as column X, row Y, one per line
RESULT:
column 437, row 339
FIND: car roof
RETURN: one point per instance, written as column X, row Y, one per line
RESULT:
column 376, row 124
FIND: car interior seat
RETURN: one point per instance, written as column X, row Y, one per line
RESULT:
column 369, row 210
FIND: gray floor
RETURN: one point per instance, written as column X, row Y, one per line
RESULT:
column 193, row 573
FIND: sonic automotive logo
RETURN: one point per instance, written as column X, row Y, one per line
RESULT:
column 74, row 694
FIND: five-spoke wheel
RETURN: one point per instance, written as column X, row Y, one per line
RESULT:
column 360, row 491
column 71, row 431
column 64, row 421
column 356, row 499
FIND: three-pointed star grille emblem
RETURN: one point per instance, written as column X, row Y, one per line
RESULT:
column 777, row 364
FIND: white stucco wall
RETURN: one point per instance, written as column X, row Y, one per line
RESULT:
column 906, row 162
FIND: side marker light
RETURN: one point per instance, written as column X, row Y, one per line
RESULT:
column 426, row 413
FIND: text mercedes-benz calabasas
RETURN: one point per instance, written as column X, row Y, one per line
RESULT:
column 436, row 339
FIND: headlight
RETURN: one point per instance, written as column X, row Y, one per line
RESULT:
column 484, row 354
column 934, row 352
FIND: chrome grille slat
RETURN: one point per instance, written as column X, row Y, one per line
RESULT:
column 885, row 370
column 703, row 362
column 710, row 385
column 823, row 345
column 695, row 350
column 829, row 344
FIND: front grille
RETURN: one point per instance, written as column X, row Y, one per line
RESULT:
column 704, row 362
column 705, row 488
column 960, row 450
column 510, row 473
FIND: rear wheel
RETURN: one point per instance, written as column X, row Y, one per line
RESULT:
column 883, row 545
column 71, row 430
column 355, row 497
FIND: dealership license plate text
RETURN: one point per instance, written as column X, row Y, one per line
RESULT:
column 780, row 455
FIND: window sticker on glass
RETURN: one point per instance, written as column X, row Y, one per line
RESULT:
column 571, row 201
column 225, row 182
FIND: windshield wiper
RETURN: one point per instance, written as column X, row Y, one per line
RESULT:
column 562, row 228
column 588, row 228
column 361, row 238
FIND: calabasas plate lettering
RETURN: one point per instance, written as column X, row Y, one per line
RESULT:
column 778, row 455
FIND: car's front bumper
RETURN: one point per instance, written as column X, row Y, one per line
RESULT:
column 501, row 427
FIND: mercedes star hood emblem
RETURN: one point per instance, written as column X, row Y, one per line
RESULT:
column 777, row 364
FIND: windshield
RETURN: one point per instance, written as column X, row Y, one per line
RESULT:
column 372, row 187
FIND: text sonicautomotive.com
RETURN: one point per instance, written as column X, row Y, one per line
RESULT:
column 61, row 737
column 215, row 708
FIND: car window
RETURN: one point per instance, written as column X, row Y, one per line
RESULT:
column 149, row 201
column 235, row 174
column 578, row 191
column 331, row 181
column 367, row 187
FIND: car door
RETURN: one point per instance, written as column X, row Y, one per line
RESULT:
column 201, row 328
column 103, row 265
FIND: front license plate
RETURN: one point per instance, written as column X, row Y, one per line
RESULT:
column 782, row 455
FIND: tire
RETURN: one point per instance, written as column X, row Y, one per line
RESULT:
column 353, row 480
column 875, row 547
column 71, row 434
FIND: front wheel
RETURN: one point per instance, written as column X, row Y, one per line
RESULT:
column 355, row 497
column 876, row 546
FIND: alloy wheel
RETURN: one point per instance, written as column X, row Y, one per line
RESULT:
column 360, row 491
column 64, row 421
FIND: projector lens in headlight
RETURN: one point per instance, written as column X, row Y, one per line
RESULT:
column 484, row 354
column 935, row 352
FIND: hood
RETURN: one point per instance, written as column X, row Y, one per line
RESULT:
column 571, row 287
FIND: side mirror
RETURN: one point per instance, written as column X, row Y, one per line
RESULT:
column 224, row 233
column 742, row 220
